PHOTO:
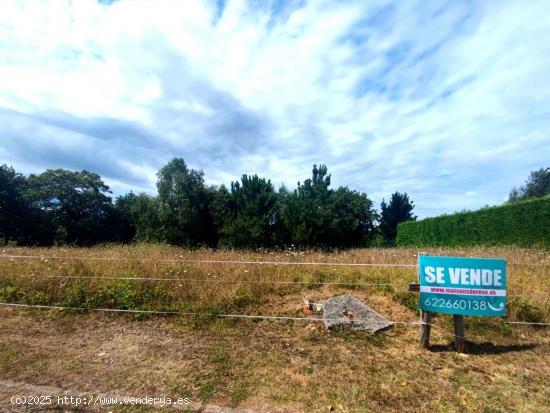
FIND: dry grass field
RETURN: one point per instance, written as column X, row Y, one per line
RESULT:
column 265, row 365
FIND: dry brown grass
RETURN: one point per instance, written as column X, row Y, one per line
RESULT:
column 293, row 366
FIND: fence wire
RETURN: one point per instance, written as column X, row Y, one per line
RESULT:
column 221, row 315
column 237, row 262
column 187, row 261
column 210, row 280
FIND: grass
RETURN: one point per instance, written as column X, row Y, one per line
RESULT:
column 268, row 365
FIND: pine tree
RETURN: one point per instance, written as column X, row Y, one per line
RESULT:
column 398, row 210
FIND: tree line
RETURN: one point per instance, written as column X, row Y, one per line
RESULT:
column 60, row 207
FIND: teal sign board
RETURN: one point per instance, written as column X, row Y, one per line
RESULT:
column 467, row 286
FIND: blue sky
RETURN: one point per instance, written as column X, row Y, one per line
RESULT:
column 448, row 101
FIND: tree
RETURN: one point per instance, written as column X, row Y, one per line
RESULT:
column 76, row 203
column 305, row 215
column 537, row 184
column 252, row 211
column 184, row 205
column 13, row 205
column 122, row 222
column 398, row 210
column 353, row 218
column 220, row 207
column 280, row 232
column 141, row 215
column 314, row 215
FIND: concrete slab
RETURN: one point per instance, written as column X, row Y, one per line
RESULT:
column 347, row 311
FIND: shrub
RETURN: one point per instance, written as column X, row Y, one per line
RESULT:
column 525, row 223
column 525, row 311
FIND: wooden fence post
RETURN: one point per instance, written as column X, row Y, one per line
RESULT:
column 458, row 321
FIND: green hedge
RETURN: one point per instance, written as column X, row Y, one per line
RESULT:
column 524, row 223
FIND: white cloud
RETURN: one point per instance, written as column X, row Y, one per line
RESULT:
column 447, row 101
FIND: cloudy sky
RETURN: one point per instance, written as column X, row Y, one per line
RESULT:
column 448, row 101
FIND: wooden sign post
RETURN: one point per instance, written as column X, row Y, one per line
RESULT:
column 425, row 320
column 458, row 321
column 425, row 328
column 426, row 325
column 459, row 286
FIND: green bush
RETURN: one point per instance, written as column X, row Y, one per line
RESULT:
column 408, row 299
column 525, row 223
column 525, row 311
column 9, row 294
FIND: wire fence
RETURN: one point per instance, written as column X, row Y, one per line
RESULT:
column 403, row 285
column 220, row 281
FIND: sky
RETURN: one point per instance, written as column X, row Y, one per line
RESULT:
column 448, row 101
